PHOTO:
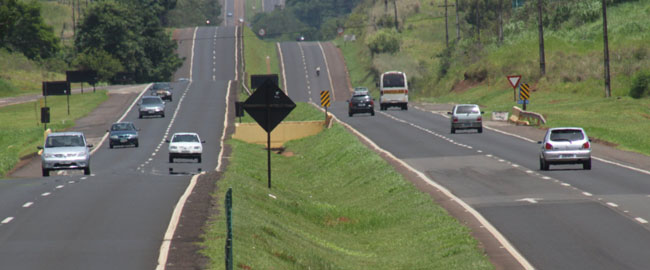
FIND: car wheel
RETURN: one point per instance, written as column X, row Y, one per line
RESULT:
column 171, row 159
column 350, row 114
column 405, row 107
column 110, row 145
column 453, row 130
column 87, row 170
column 46, row 172
column 140, row 116
column 543, row 165
column 163, row 115
column 136, row 144
column 586, row 165
column 480, row 130
column 199, row 159
column 170, row 99
column 372, row 113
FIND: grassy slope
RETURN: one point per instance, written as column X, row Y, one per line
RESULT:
column 571, row 93
column 21, row 129
column 338, row 206
column 255, row 54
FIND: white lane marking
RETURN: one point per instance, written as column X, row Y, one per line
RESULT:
column 546, row 178
column 530, row 200
column 329, row 76
column 566, row 184
column 28, row 204
column 529, row 171
column 7, row 220
column 171, row 228
column 497, row 235
column 225, row 126
column 173, row 223
column 304, row 64
column 284, row 74
column 587, row 194
column 46, row 194
column 612, row 204
column 59, row 186
column 642, row 221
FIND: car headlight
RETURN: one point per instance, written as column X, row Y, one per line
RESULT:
column 172, row 148
column 197, row 147
column 81, row 154
column 48, row 155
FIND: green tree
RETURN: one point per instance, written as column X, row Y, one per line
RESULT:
column 99, row 60
column 383, row 41
column 24, row 30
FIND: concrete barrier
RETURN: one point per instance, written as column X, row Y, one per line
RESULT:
column 285, row 131
column 520, row 117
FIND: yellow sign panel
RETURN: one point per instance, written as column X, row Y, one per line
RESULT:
column 524, row 92
column 325, row 98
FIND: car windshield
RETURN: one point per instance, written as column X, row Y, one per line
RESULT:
column 122, row 127
column 151, row 101
column 360, row 98
column 467, row 109
column 161, row 86
column 567, row 135
column 393, row 80
column 185, row 138
column 64, row 141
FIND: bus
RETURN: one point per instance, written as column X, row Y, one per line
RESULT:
column 393, row 90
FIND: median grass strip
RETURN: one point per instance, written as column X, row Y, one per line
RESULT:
column 338, row 206
column 21, row 130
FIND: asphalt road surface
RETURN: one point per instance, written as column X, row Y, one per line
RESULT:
column 116, row 218
column 565, row 218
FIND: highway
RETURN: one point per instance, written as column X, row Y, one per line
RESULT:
column 565, row 218
column 116, row 218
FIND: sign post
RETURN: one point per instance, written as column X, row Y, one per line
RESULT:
column 229, row 262
column 514, row 82
column 268, row 105
column 325, row 101
column 524, row 94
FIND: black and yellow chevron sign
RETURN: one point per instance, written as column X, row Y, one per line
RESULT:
column 325, row 98
column 524, row 92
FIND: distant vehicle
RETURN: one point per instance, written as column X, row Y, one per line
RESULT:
column 361, row 102
column 123, row 133
column 565, row 145
column 393, row 90
column 65, row 151
column 163, row 90
column 466, row 116
column 241, row 20
column 229, row 14
column 183, row 79
column 300, row 38
column 185, row 145
column 151, row 105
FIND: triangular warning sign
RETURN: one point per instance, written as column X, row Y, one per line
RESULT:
column 514, row 80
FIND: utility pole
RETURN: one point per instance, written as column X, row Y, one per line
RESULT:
column 446, row 23
column 542, row 64
column 457, row 23
column 478, row 22
column 395, row 8
column 500, row 21
column 74, row 24
column 608, row 87
column 385, row 6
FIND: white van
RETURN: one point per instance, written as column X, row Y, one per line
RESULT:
column 393, row 90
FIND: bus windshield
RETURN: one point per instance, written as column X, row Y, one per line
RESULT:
column 393, row 80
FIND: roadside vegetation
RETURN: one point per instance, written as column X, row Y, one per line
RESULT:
column 474, row 68
column 22, row 131
column 256, row 53
column 337, row 205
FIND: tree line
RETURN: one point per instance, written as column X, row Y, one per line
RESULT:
column 123, row 40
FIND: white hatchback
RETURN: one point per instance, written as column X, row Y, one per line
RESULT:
column 185, row 145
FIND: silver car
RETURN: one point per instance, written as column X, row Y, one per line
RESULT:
column 151, row 105
column 65, row 151
column 565, row 145
column 466, row 116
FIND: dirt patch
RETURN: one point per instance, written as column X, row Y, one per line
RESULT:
column 610, row 144
column 555, row 101
column 463, row 85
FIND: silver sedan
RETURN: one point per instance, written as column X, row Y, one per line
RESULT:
column 565, row 145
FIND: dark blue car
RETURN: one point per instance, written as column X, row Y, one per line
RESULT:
column 123, row 133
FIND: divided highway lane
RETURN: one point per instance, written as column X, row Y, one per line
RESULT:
column 116, row 218
column 565, row 218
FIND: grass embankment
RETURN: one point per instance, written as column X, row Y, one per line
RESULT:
column 570, row 94
column 256, row 53
column 21, row 76
column 338, row 206
column 21, row 130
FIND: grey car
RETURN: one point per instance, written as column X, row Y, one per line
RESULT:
column 361, row 102
column 65, row 151
column 151, row 105
column 466, row 116
column 565, row 145
column 123, row 133
column 163, row 90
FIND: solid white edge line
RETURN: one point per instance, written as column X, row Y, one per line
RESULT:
column 284, row 74
column 504, row 242
column 328, row 70
column 7, row 220
column 28, row 204
column 223, row 134
column 640, row 220
column 173, row 222
column 236, row 53
column 171, row 228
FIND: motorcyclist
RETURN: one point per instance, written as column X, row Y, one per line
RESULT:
column 318, row 71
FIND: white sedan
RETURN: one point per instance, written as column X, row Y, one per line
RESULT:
column 185, row 145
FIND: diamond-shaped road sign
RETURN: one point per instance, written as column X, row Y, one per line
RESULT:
column 268, row 105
